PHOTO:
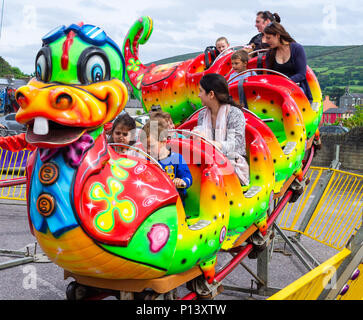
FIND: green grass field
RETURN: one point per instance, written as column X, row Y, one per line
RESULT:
column 337, row 66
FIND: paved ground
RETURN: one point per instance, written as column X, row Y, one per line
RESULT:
column 17, row 283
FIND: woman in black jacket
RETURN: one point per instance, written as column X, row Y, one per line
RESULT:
column 286, row 56
column 263, row 18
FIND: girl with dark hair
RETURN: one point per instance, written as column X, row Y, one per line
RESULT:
column 263, row 18
column 123, row 131
column 223, row 122
column 286, row 56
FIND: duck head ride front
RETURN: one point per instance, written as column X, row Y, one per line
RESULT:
column 94, row 212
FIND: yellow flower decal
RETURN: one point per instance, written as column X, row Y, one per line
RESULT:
column 133, row 65
column 105, row 220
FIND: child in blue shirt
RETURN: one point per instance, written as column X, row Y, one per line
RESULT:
column 155, row 140
column 239, row 60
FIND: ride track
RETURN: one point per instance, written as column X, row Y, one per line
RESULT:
column 115, row 237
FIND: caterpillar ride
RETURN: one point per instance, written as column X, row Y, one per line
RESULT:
column 116, row 223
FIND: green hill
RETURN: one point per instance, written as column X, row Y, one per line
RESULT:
column 335, row 66
column 6, row 70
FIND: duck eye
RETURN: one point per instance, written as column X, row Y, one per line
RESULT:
column 95, row 69
column 42, row 65
column 93, row 66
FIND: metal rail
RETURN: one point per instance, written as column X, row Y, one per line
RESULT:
column 12, row 182
column 259, row 69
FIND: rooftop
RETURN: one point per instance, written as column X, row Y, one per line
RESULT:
column 338, row 110
column 327, row 104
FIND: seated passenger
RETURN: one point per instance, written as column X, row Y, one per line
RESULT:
column 263, row 18
column 286, row 56
column 223, row 123
column 221, row 44
column 123, row 131
column 212, row 52
column 155, row 139
column 239, row 61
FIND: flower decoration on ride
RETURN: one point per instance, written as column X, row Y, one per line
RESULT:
column 105, row 220
column 134, row 65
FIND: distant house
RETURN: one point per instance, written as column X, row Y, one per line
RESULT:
column 333, row 114
column 327, row 116
column 328, row 104
column 349, row 100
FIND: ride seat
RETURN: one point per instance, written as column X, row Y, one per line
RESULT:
column 210, row 54
column 206, row 166
column 260, row 162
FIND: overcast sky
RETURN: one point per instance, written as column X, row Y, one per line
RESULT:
column 180, row 26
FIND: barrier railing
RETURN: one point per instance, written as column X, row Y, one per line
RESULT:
column 310, row 286
column 12, row 167
column 330, row 209
column 338, row 278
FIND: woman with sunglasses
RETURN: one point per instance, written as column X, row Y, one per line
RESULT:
column 286, row 56
column 263, row 18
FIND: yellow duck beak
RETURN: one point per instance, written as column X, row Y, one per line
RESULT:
column 58, row 114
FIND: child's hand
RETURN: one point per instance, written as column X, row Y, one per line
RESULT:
column 179, row 183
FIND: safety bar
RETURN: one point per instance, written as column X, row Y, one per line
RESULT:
column 12, row 182
column 257, row 70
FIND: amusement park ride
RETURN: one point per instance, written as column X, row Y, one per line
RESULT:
column 117, row 222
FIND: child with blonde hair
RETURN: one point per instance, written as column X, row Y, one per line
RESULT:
column 222, row 44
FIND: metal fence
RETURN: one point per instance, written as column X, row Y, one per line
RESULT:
column 310, row 285
column 12, row 166
column 330, row 209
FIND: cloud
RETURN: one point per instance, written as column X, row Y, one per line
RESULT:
column 180, row 26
